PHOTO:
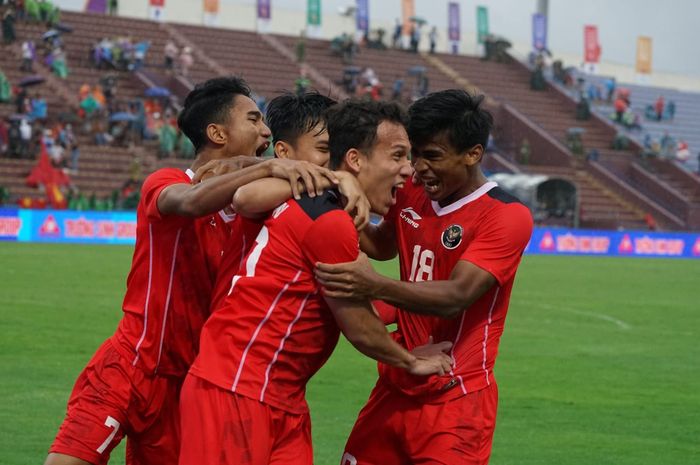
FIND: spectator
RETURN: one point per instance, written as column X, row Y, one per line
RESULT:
column 21, row 102
column 302, row 83
column 28, row 55
column 5, row 89
column 4, row 138
column 683, row 152
column 610, row 89
column 113, row 7
column 671, row 110
column 170, row 53
column 139, row 51
column 186, row 61
column 620, row 107
column 31, row 11
column 668, row 146
column 414, row 38
column 14, row 139
column 433, row 39
column 39, row 108
column 397, row 88
column 58, row 63
column 185, row 148
column 659, row 107
column 396, row 38
column 8, row 26
column 167, row 137
column 25, row 133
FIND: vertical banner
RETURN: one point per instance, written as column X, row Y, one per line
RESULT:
column 643, row 65
column 211, row 12
column 156, row 9
column 590, row 44
column 482, row 23
column 362, row 16
column 453, row 26
column 539, row 31
column 313, row 13
column 408, row 11
column 264, row 9
column 313, row 18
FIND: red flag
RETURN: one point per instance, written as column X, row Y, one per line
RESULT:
column 52, row 178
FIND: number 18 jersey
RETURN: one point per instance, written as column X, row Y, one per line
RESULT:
column 488, row 228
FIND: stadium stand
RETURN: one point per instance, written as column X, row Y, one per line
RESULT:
column 616, row 190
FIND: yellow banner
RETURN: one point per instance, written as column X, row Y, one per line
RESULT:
column 643, row 55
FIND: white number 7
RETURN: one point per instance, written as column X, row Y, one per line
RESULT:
column 114, row 424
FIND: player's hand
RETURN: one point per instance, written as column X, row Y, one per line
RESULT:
column 350, row 280
column 313, row 177
column 223, row 166
column 357, row 204
column 436, row 364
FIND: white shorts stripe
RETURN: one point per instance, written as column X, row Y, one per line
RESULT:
column 167, row 299
column 486, row 336
column 148, row 292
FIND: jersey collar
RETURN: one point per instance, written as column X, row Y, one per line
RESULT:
column 454, row 206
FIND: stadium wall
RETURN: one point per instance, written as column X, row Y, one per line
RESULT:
column 87, row 227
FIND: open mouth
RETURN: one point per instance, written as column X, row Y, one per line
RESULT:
column 431, row 186
column 262, row 148
column 394, row 190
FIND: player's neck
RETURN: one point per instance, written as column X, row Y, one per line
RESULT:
column 472, row 184
column 205, row 156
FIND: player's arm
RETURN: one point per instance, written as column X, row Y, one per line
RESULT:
column 362, row 328
column 258, row 198
column 445, row 298
column 217, row 192
column 379, row 241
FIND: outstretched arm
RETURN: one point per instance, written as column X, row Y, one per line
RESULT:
column 444, row 298
column 216, row 192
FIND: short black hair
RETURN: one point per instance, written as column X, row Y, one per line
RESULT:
column 353, row 124
column 289, row 115
column 208, row 103
column 454, row 112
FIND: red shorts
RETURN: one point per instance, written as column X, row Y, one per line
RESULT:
column 395, row 429
column 111, row 399
column 223, row 428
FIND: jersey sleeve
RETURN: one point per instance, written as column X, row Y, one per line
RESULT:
column 500, row 241
column 331, row 238
column 154, row 185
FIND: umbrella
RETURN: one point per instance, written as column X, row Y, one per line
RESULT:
column 122, row 116
column 418, row 20
column 63, row 27
column 31, row 80
column 416, row 70
column 352, row 70
column 50, row 33
column 156, row 91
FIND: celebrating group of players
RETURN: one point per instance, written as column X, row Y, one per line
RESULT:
column 245, row 272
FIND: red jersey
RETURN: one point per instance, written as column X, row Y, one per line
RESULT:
column 488, row 228
column 170, row 283
column 273, row 330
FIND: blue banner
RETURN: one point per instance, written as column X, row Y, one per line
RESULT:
column 90, row 227
column 362, row 16
column 614, row 243
column 68, row 226
column 539, row 31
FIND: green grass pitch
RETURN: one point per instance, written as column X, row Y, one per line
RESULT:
column 599, row 363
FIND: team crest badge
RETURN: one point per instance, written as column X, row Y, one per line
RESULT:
column 452, row 236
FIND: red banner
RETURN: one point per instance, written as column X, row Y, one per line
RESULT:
column 590, row 44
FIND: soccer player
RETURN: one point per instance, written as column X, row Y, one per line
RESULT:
column 131, row 385
column 243, row 400
column 460, row 239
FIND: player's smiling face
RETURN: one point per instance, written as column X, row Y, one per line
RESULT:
column 245, row 128
column 387, row 167
column 311, row 146
column 443, row 172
